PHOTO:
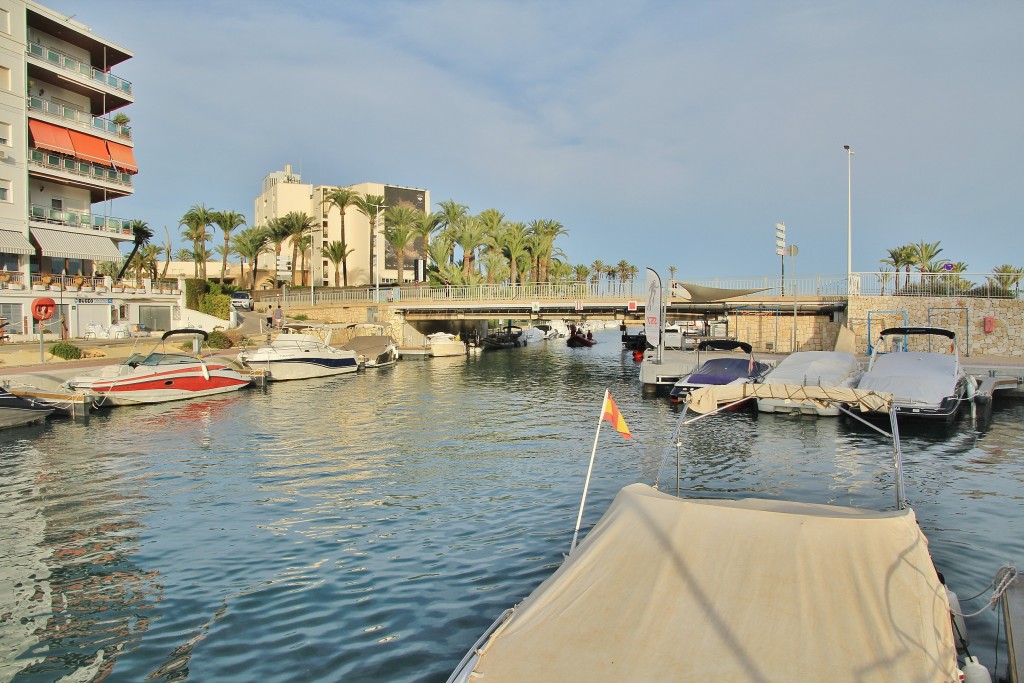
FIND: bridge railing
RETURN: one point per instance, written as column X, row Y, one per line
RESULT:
column 819, row 286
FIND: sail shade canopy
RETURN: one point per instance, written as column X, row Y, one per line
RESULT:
column 670, row 589
column 59, row 244
column 53, row 138
column 90, row 148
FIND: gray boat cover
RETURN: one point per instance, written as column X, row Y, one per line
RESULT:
column 822, row 368
column 913, row 377
column 670, row 589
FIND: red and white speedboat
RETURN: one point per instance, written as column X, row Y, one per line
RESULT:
column 159, row 376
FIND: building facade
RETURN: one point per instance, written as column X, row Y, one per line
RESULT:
column 283, row 192
column 66, row 153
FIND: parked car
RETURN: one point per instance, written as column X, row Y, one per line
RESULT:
column 241, row 300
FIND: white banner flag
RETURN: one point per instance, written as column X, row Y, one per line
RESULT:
column 652, row 312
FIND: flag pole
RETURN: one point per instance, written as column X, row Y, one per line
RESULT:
column 590, row 468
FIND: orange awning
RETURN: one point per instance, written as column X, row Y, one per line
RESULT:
column 123, row 157
column 89, row 148
column 53, row 138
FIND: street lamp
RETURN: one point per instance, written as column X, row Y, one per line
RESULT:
column 374, row 248
column 849, row 214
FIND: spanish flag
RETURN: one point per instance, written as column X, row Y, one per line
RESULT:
column 610, row 412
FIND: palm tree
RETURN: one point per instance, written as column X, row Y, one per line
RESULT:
column 142, row 234
column 399, row 229
column 249, row 244
column 372, row 206
column 597, row 269
column 547, row 232
column 197, row 219
column 342, row 198
column 168, row 253
column 899, row 258
column 336, row 252
column 469, row 234
column 277, row 233
column 227, row 221
column 305, row 242
column 297, row 224
column 1007, row 276
column 147, row 261
column 496, row 265
column 580, row 273
column 452, row 213
column 513, row 242
column 672, row 272
column 924, row 253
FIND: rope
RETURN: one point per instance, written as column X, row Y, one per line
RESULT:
column 1004, row 577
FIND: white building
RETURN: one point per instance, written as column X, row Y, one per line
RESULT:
column 284, row 192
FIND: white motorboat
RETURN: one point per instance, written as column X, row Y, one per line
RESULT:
column 830, row 369
column 297, row 353
column 920, row 367
column 16, row 411
column 160, row 376
column 552, row 329
column 683, row 589
column 441, row 344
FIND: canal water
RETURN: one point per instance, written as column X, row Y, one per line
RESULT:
column 369, row 527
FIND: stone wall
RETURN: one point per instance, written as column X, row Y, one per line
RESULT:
column 965, row 316
column 774, row 333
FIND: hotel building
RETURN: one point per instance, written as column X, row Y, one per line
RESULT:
column 284, row 192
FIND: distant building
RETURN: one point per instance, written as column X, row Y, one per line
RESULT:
column 284, row 191
column 64, row 154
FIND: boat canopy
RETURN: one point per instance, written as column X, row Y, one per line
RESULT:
column 919, row 330
column 914, row 375
column 827, row 368
column 185, row 331
column 671, row 589
column 723, row 345
column 707, row 399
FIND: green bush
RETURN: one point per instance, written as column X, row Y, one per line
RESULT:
column 219, row 340
column 217, row 305
column 66, row 350
column 194, row 291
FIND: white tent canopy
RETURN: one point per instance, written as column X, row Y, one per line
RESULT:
column 669, row 589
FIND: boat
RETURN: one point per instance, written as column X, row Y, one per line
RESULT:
column 554, row 329
column 16, row 411
column 811, row 368
column 577, row 340
column 680, row 336
column 381, row 357
column 160, row 375
column 507, row 338
column 720, row 369
column 441, row 344
column 296, row 352
column 670, row 588
column 374, row 348
column 925, row 383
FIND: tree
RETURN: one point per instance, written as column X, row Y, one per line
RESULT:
column 343, row 198
column 142, row 234
column 1007, row 277
column 924, row 253
column 197, row 219
column 336, row 252
column 399, row 229
column 547, row 231
column 372, row 206
column 168, row 252
column 277, row 233
column 249, row 244
column 305, row 244
column 672, row 272
column 513, row 241
column 296, row 224
column 452, row 213
column 227, row 221
column 597, row 269
column 469, row 235
column 580, row 273
column 900, row 257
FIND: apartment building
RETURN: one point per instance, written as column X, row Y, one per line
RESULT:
column 66, row 153
column 284, row 191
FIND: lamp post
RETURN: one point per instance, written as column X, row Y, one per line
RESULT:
column 375, row 248
column 849, row 215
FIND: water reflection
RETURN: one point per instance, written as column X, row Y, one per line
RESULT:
column 368, row 527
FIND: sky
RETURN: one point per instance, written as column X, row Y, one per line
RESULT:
column 663, row 133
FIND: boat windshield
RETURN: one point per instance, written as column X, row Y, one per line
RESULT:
column 168, row 359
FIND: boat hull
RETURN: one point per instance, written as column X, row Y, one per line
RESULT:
column 160, row 387
column 286, row 369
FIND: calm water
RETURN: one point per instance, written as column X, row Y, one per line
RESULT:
column 369, row 527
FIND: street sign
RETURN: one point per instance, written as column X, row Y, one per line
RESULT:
column 579, row 305
column 781, row 251
column 780, row 231
column 631, row 306
column 947, row 266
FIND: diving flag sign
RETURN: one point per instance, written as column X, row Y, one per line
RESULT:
column 610, row 412
column 652, row 310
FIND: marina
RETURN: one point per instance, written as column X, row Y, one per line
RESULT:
column 243, row 536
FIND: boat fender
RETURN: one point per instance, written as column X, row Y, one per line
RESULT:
column 206, row 370
column 638, row 355
column 975, row 672
column 959, row 626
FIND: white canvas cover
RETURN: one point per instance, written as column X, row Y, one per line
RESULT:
column 669, row 589
column 823, row 368
column 706, row 399
column 913, row 377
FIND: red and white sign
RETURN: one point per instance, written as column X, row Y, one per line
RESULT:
column 631, row 307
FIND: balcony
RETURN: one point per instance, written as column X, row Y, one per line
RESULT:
column 82, row 169
column 81, row 118
column 57, row 59
column 76, row 219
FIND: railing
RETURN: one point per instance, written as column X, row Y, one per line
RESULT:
column 84, row 119
column 69, row 63
column 832, row 287
column 9, row 278
column 83, row 169
column 75, row 219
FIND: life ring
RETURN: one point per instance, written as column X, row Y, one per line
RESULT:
column 43, row 308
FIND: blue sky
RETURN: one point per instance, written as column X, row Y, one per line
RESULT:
column 663, row 133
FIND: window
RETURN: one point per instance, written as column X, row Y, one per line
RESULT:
column 5, row 191
column 57, row 204
column 5, row 21
column 5, row 133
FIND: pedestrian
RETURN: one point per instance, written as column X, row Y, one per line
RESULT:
column 278, row 317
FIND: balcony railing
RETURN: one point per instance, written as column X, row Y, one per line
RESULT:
column 84, row 119
column 69, row 63
column 77, row 219
column 83, row 169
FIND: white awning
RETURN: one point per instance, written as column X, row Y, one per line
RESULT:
column 15, row 243
column 61, row 244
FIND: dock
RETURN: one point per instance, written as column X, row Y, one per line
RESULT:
column 47, row 388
